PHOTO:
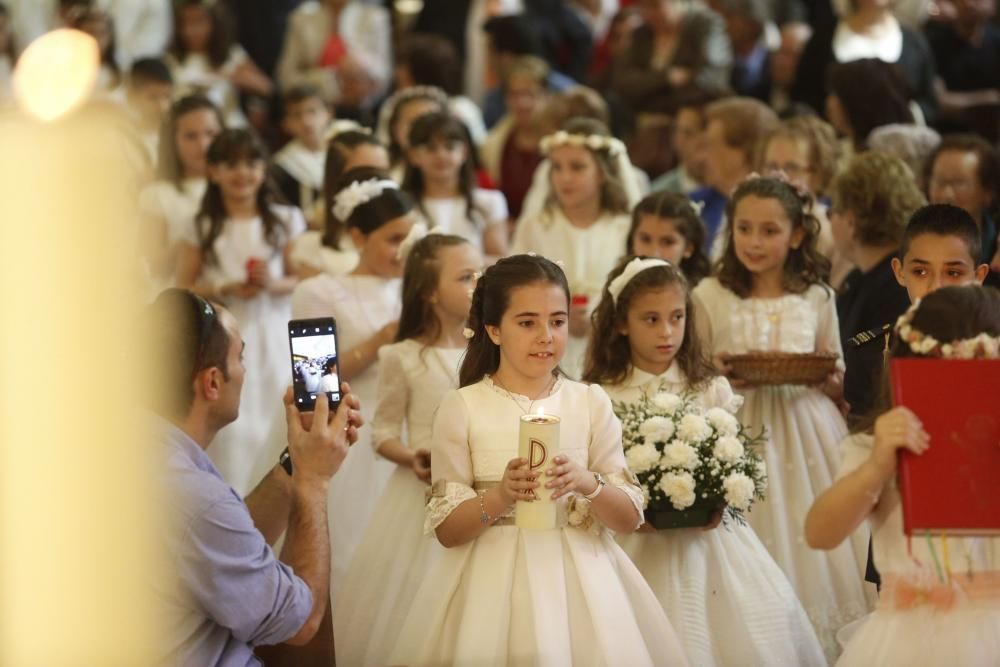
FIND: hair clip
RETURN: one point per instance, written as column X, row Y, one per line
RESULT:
column 468, row 333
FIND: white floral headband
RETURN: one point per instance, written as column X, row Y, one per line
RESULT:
column 417, row 233
column 339, row 127
column 632, row 269
column 358, row 193
column 595, row 142
column 983, row 346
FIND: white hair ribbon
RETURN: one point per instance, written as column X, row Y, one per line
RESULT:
column 339, row 127
column 632, row 269
column 358, row 193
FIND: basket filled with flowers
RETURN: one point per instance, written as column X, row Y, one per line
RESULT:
column 691, row 462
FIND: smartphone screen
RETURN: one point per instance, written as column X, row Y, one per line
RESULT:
column 315, row 369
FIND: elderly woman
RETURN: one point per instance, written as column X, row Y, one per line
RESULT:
column 873, row 199
column 867, row 29
column 344, row 47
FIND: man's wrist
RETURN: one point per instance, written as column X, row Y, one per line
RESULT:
column 308, row 485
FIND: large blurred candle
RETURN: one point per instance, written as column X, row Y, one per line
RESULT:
column 539, row 444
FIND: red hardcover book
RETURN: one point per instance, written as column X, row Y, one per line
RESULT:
column 953, row 487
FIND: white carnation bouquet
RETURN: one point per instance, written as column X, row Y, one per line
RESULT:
column 691, row 462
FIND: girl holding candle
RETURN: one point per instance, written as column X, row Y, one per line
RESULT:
column 586, row 221
column 502, row 594
column 414, row 374
column 934, row 609
column 769, row 294
column 725, row 595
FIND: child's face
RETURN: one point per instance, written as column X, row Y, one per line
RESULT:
column 367, row 155
column 725, row 165
column 659, row 237
column 655, row 328
column 955, row 181
column 195, row 28
column 791, row 157
column 532, row 333
column 239, row 180
column 408, row 113
column 195, row 132
column 460, row 267
column 151, row 101
column 379, row 249
column 524, row 98
column 576, row 176
column 440, row 159
column 306, row 120
column 763, row 235
column 933, row 261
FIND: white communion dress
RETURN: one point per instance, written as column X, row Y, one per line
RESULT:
column 565, row 596
column 361, row 305
column 940, row 598
column 728, row 600
column 804, row 429
column 395, row 553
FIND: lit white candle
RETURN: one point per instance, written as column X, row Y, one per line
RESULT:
column 539, row 444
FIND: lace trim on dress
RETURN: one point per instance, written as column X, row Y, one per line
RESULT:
column 442, row 499
column 629, row 483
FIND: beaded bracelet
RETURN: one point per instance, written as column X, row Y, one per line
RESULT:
column 484, row 517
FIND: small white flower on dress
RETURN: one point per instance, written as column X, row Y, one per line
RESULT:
column 723, row 422
column 728, row 449
column 657, row 429
column 739, row 490
column 679, row 488
column 694, row 428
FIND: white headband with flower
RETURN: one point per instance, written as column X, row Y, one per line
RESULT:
column 983, row 346
column 358, row 193
column 595, row 142
column 632, row 269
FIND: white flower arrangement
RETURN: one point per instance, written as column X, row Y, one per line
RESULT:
column 595, row 142
column 686, row 457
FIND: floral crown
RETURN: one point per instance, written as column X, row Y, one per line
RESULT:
column 983, row 346
column 358, row 193
column 595, row 142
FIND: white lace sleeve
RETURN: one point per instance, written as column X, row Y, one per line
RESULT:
column 393, row 398
column 451, row 461
column 606, row 454
column 827, row 324
column 720, row 394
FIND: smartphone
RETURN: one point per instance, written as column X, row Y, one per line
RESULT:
column 315, row 368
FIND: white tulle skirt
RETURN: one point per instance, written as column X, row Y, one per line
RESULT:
column 968, row 635
column 725, row 596
column 553, row 598
column 387, row 569
column 802, row 456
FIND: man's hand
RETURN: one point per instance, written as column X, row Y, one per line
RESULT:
column 318, row 443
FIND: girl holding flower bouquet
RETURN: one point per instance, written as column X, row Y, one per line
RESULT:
column 928, row 613
column 501, row 594
column 722, row 591
column 768, row 295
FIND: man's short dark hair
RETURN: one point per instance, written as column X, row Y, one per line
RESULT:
column 150, row 70
column 942, row 220
column 299, row 94
column 184, row 336
column 514, row 34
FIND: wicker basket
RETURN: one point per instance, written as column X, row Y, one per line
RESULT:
column 771, row 368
